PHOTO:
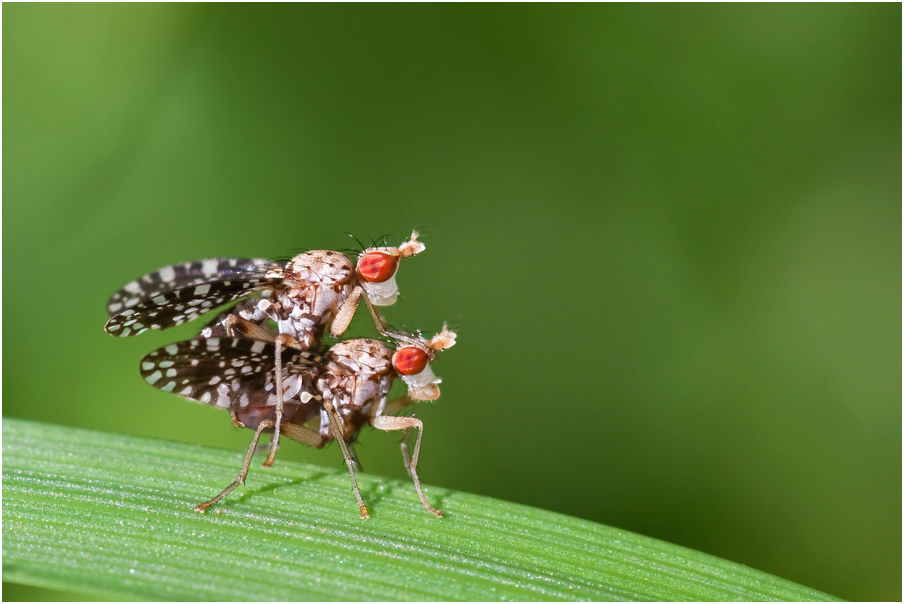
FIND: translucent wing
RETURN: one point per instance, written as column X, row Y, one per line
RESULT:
column 175, row 307
column 188, row 274
column 228, row 372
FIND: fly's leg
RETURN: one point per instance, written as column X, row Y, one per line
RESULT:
column 379, row 319
column 392, row 408
column 406, row 457
column 349, row 460
column 236, row 326
column 303, row 435
column 243, row 473
column 282, row 341
column 347, row 311
column 389, row 423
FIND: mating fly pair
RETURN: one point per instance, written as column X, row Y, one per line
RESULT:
column 273, row 381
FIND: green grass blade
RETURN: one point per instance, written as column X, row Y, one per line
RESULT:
column 111, row 516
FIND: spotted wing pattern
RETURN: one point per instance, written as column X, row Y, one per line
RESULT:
column 175, row 307
column 229, row 372
column 188, row 274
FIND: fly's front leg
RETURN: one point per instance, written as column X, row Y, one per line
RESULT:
column 406, row 457
column 281, row 341
column 349, row 460
column 379, row 319
column 392, row 408
column 243, row 473
column 347, row 311
column 389, row 423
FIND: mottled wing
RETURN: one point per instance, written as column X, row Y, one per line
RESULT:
column 226, row 372
column 175, row 307
column 181, row 276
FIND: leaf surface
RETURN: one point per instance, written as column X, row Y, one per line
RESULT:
column 111, row 516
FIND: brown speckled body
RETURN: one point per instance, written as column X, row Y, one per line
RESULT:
column 317, row 283
column 356, row 376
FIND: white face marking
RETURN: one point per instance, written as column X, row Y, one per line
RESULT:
column 209, row 267
column 202, row 289
column 152, row 379
column 167, row 274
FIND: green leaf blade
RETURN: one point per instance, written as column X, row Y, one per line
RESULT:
column 112, row 516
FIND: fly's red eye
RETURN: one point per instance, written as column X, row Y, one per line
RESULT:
column 410, row 360
column 377, row 267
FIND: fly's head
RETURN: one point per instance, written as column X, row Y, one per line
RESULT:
column 412, row 359
column 377, row 266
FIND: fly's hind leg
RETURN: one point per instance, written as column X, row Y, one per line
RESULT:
column 243, row 473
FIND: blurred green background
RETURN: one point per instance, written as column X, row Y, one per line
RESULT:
column 670, row 235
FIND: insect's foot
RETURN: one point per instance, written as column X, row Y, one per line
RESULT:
column 202, row 507
column 364, row 514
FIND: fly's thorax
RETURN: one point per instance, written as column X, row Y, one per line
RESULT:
column 361, row 356
column 320, row 268
column 357, row 374
column 317, row 283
